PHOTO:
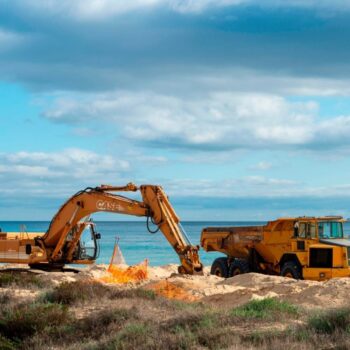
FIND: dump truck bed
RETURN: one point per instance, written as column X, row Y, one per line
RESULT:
column 233, row 241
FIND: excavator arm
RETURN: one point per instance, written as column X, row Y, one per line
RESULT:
column 154, row 205
column 163, row 215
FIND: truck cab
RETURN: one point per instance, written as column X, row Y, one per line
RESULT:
column 321, row 248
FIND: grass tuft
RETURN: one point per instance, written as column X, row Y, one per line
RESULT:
column 330, row 322
column 269, row 308
column 7, row 344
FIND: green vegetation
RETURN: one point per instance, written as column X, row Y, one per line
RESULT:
column 269, row 308
column 132, row 336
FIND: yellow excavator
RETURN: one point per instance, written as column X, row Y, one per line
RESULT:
column 62, row 243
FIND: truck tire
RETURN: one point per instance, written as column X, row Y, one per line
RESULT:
column 238, row 267
column 291, row 269
column 219, row 267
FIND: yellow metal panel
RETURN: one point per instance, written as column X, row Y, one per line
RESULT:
column 319, row 274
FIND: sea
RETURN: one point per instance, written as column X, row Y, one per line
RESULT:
column 136, row 242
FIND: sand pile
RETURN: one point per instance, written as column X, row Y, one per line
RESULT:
column 241, row 289
column 126, row 274
column 310, row 294
column 171, row 291
column 165, row 280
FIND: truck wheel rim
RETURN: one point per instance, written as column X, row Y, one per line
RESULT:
column 236, row 272
column 218, row 272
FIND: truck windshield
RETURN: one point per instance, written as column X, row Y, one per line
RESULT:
column 330, row 229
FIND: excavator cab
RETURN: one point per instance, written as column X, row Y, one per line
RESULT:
column 88, row 246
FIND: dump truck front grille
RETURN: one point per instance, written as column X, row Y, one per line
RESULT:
column 321, row 257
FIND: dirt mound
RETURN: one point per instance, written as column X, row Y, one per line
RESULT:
column 220, row 292
column 243, row 288
column 171, row 290
column 309, row 294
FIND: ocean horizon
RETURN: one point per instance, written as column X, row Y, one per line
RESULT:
column 136, row 242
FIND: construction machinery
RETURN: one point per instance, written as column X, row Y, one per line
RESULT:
column 311, row 248
column 65, row 240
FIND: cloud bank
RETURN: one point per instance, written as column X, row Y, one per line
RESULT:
column 219, row 121
column 158, row 91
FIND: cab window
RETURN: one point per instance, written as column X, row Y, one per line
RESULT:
column 330, row 229
column 307, row 230
column 312, row 230
column 302, row 229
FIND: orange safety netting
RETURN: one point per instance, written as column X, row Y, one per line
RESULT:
column 171, row 291
column 117, row 273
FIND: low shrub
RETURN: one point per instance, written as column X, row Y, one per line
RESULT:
column 133, row 293
column 5, row 298
column 20, row 279
column 7, row 344
column 329, row 322
column 135, row 335
column 21, row 321
column 92, row 325
column 192, row 321
column 69, row 293
column 203, row 328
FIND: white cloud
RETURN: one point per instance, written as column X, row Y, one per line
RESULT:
column 254, row 186
column 195, row 6
column 73, row 158
column 86, row 9
column 218, row 120
column 92, row 10
column 95, row 10
column 248, row 186
column 58, row 173
column 263, row 165
column 9, row 39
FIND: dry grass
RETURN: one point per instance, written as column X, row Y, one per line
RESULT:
column 24, row 279
column 68, row 293
column 125, row 323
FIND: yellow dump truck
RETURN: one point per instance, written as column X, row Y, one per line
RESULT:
column 312, row 248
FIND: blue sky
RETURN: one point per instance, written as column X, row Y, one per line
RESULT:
column 239, row 108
